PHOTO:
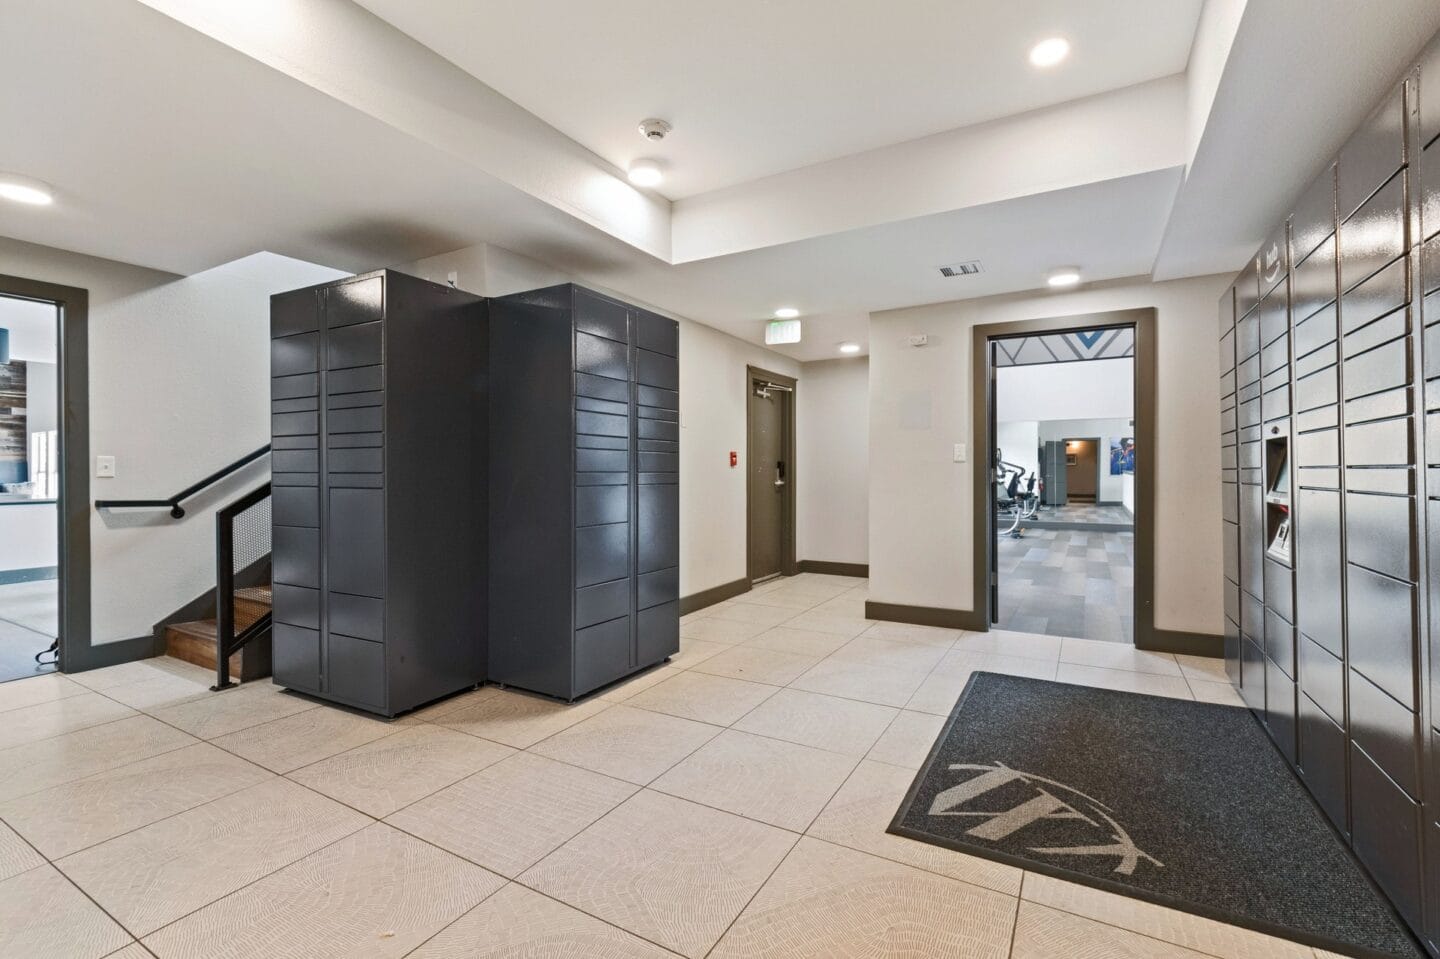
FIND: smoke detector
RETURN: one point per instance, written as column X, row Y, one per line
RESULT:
column 654, row 129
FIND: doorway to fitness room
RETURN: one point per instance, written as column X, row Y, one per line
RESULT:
column 1064, row 484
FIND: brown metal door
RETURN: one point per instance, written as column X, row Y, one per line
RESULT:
column 768, row 478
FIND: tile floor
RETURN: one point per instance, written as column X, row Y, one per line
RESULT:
column 1086, row 513
column 29, row 617
column 1068, row 583
column 730, row 804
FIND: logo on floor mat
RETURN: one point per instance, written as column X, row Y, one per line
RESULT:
column 1035, row 801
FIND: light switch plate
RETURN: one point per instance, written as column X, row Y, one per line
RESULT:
column 959, row 452
column 105, row 467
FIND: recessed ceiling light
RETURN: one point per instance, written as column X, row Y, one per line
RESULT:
column 849, row 347
column 646, row 173
column 1067, row 276
column 786, row 313
column 1049, row 52
column 25, row 190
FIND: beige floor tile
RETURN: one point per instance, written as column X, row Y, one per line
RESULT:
column 846, row 621
column 432, row 712
column 938, row 693
column 517, row 923
column 825, row 722
column 286, row 744
column 626, row 688
column 704, row 698
column 36, row 766
column 132, row 951
column 801, row 642
column 693, row 652
column 862, row 810
column 1043, row 933
column 757, row 665
column 670, row 871
column 722, row 630
column 1171, row 925
column 1094, row 652
column 787, row 598
column 46, row 720
column 779, row 783
column 157, row 874
column 891, row 654
column 911, row 633
column 378, row 894
column 635, row 745
column 16, row 855
column 388, row 774
column 140, row 669
column 173, row 684
column 832, row 903
column 509, row 816
column 1210, row 669
column 908, row 740
column 215, row 715
column 1222, row 694
column 1007, row 643
column 1124, row 680
column 67, row 818
column 43, row 916
column 19, row 693
column 749, row 612
column 518, row 719
column 857, row 680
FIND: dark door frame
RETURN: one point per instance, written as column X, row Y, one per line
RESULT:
column 788, row 566
column 1144, row 322
column 73, row 509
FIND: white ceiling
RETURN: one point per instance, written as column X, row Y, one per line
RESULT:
column 181, row 134
column 756, row 87
column 32, row 329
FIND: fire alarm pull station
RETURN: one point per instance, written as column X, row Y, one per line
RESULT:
column 734, row 459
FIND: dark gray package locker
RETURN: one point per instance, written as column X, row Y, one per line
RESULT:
column 584, row 490
column 378, row 478
column 1337, row 648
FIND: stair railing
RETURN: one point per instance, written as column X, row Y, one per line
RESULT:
column 175, row 504
column 250, row 514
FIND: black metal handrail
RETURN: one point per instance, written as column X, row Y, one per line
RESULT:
column 176, row 510
column 226, row 642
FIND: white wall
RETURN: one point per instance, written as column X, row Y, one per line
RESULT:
column 833, row 461
column 1019, row 442
column 1094, row 389
column 41, row 396
column 179, row 386
column 28, row 535
column 713, row 391
column 921, row 523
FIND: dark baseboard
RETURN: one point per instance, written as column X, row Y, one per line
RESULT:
column 1189, row 644
column 34, row 574
column 860, row 570
column 713, row 595
column 925, row 615
column 112, row 654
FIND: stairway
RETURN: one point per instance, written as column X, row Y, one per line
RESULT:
column 194, row 642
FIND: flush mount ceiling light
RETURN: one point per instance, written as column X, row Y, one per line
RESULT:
column 786, row 313
column 1049, row 52
column 849, row 347
column 22, row 189
column 1065, row 276
column 646, row 173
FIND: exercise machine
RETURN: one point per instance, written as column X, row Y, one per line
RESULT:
column 1012, row 502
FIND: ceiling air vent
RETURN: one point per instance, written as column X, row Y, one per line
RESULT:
column 968, row 268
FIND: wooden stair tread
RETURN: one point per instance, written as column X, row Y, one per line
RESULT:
column 201, row 629
column 256, row 594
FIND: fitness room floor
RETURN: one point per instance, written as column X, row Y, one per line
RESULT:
column 732, row 803
column 1071, row 573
